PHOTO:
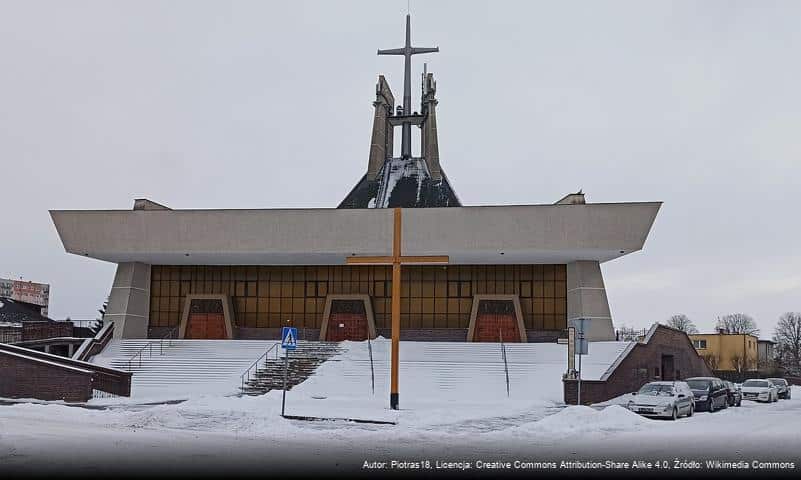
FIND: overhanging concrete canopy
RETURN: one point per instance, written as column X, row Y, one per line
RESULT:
column 469, row 235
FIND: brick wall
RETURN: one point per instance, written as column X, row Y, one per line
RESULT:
column 42, row 330
column 639, row 367
column 21, row 377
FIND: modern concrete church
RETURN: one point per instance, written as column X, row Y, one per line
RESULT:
column 459, row 273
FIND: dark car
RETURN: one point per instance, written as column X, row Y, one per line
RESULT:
column 710, row 393
column 735, row 396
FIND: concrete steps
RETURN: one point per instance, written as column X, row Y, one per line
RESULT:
column 302, row 364
column 208, row 365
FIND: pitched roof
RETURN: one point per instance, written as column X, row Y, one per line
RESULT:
column 402, row 182
column 12, row 311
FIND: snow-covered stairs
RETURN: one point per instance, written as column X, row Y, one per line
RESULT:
column 182, row 366
column 444, row 366
column 460, row 371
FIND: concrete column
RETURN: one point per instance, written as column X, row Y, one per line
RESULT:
column 586, row 298
column 430, row 141
column 129, row 302
column 70, row 350
column 381, row 141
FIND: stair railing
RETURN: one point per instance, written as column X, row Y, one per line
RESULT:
column 149, row 346
column 505, row 363
column 372, row 369
column 264, row 355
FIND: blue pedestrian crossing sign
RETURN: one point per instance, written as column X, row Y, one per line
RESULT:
column 289, row 338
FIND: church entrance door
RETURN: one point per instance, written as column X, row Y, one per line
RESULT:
column 347, row 321
column 206, row 320
column 496, row 318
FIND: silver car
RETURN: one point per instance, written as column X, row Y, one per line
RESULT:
column 783, row 387
column 663, row 399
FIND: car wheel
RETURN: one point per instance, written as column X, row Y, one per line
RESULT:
column 725, row 404
column 740, row 402
column 692, row 410
column 675, row 414
column 711, row 405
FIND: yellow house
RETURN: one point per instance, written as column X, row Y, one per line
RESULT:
column 727, row 351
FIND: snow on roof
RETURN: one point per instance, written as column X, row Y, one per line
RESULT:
column 16, row 312
column 396, row 169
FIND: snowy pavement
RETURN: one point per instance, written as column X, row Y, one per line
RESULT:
column 454, row 406
column 208, row 432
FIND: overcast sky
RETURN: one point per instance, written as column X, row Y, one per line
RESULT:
column 268, row 104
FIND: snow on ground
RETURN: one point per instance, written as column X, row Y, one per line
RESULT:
column 451, row 402
column 209, row 430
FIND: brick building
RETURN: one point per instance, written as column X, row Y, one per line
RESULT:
column 663, row 354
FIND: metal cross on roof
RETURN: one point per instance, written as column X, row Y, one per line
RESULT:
column 407, row 51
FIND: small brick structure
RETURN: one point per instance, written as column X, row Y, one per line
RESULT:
column 26, row 373
column 664, row 354
column 25, row 377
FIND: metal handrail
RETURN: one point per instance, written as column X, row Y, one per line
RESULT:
column 372, row 370
column 505, row 363
column 149, row 347
column 263, row 355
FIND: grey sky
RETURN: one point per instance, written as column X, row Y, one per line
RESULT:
column 268, row 104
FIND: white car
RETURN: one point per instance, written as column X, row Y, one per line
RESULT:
column 663, row 399
column 783, row 387
column 760, row 390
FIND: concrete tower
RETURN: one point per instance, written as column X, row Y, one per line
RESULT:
column 403, row 180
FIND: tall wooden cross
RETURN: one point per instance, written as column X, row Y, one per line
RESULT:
column 396, row 260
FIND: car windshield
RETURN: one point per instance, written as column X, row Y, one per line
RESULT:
column 656, row 389
column 698, row 384
column 778, row 381
column 756, row 383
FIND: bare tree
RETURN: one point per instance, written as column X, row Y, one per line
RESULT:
column 788, row 341
column 711, row 361
column 738, row 362
column 683, row 323
column 738, row 323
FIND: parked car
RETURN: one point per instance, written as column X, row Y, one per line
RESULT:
column 735, row 396
column 783, row 388
column 663, row 399
column 710, row 393
column 760, row 390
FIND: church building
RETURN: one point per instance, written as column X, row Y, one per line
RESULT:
column 520, row 273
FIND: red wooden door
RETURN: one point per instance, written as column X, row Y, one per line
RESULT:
column 346, row 326
column 206, row 320
column 496, row 318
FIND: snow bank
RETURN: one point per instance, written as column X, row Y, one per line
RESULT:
column 581, row 420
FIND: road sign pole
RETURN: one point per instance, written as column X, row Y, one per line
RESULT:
column 286, row 372
column 289, row 341
column 578, row 395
